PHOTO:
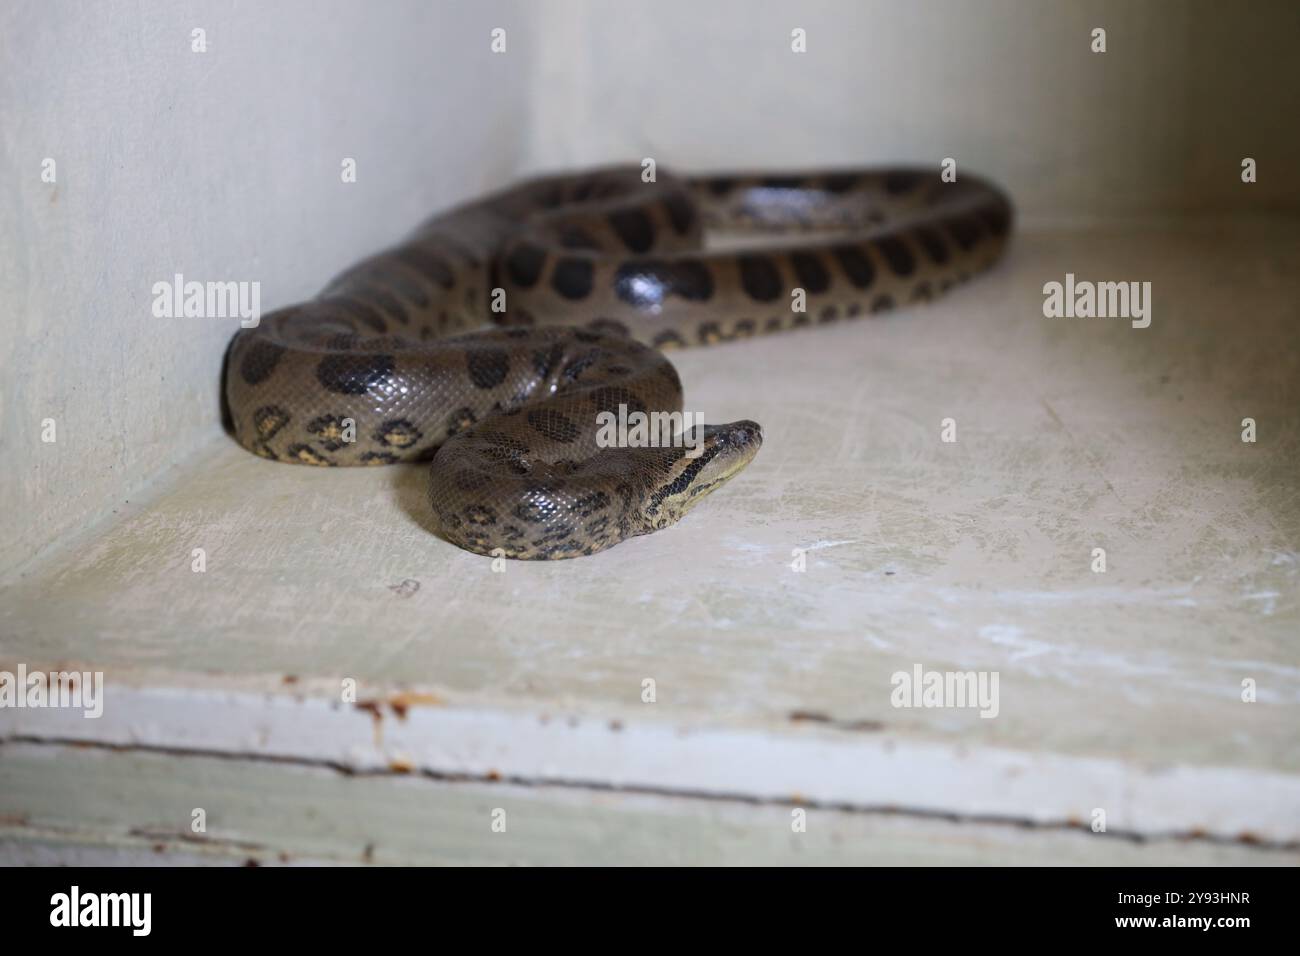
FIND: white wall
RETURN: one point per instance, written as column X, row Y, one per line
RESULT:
column 219, row 165
column 225, row 164
column 1156, row 125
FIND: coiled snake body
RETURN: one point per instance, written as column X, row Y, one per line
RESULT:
column 586, row 277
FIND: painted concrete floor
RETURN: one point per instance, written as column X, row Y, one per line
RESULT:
column 1120, row 690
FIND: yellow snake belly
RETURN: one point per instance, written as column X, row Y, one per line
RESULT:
column 504, row 333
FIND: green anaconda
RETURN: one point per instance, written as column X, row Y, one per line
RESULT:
column 500, row 331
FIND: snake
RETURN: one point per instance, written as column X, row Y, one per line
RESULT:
column 500, row 339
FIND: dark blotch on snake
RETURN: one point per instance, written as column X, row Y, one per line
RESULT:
column 812, row 275
column 897, row 183
column 680, row 213
column 584, row 190
column 897, row 254
column 760, row 278
column 552, row 195
column 487, row 367
column 839, row 182
column 965, row 230
column 634, row 228
column 572, row 277
column 259, row 361
column 997, row 220
column 933, row 245
column 353, row 374
column 524, row 264
column 856, row 265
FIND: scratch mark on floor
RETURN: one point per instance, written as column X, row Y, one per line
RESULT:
column 1091, row 457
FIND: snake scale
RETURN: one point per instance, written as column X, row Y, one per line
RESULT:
column 498, row 331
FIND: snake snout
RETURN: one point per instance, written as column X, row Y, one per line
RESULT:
column 734, row 436
column 746, row 433
column 727, row 449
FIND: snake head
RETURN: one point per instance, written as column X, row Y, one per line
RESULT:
column 723, row 450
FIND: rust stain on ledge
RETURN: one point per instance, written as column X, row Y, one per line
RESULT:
column 404, row 701
column 400, row 704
